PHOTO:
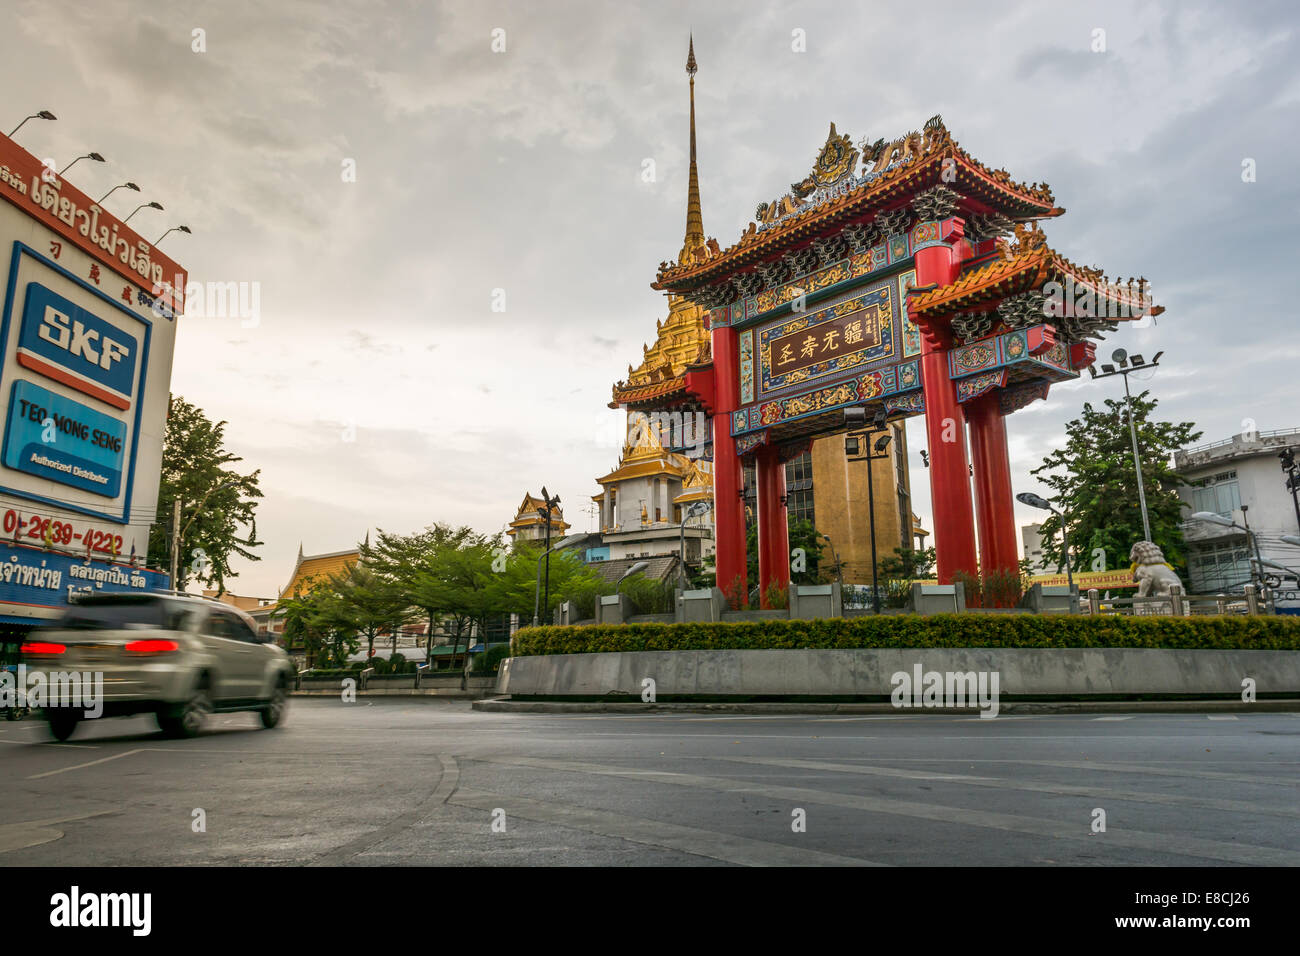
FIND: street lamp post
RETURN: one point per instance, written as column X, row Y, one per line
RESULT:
column 549, row 505
column 143, row 205
column 692, row 510
column 1034, row 501
column 1128, row 364
column 95, row 156
column 43, row 114
column 635, row 569
column 874, row 450
column 132, row 186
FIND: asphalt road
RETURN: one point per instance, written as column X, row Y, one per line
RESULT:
column 418, row 781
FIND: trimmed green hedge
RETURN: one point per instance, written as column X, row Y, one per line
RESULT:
column 1257, row 632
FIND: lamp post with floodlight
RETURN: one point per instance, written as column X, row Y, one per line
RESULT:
column 1127, row 364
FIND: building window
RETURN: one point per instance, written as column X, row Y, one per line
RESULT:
column 1219, row 567
column 799, row 489
column 1219, row 494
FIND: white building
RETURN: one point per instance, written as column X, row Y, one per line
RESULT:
column 1240, row 478
column 1031, row 540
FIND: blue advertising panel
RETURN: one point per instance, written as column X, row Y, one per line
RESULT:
column 39, row 578
column 63, row 440
column 70, row 345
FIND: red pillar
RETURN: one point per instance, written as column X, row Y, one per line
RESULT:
column 993, row 495
column 773, row 527
column 954, row 520
column 728, row 476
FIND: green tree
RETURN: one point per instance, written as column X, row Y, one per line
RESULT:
column 367, row 603
column 217, row 502
column 417, row 565
column 802, row 534
column 1093, row 481
column 313, row 621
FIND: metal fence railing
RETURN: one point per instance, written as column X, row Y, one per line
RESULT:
column 1178, row 604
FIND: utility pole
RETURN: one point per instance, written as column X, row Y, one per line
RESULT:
column 176, row 540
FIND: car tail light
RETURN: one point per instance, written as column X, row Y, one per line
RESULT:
column 152, row 647
column 43, row 648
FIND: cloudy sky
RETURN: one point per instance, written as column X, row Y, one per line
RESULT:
column 378, row 388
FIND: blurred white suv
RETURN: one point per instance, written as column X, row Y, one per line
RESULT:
column 178, row 656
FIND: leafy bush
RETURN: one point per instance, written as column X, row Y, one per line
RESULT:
column 490, row 660
column 649, row 597
column 915, row 631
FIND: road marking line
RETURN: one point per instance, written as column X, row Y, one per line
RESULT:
column 696, row 841
column 1222, row 717
column 1130, row 717
column 91, row 763
column 1016, row 823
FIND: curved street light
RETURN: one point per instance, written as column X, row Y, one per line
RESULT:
column 635, row 569
column 43, row 114
column 1036, row 501
column 95, row 156
column 184, row 229
column 143, row 205
column 116, row 188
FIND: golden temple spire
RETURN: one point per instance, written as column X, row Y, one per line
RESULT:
column 694, row 219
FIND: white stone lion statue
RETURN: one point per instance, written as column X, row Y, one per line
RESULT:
column 1154, row 575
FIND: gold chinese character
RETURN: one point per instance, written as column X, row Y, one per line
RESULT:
column 853, row 332
column 786, row 356
column 828, row 340
column 809, row 346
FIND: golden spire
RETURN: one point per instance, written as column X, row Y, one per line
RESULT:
column 694, row 220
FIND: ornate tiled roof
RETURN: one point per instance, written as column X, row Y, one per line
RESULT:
column 318, row 568
column 527, row 516
column 831, row 197
column 1017, row 281
column 682, row 341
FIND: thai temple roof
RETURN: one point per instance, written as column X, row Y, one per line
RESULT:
column 682, row 339
column 647, row 458
column 527, row 515
column 312, row 568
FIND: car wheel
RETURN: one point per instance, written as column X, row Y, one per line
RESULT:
column 188, row 719
column 275, row 707
column 62, row 722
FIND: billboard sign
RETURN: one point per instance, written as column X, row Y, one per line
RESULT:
column 69, row 344
column 63, row 440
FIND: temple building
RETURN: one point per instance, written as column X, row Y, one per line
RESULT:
column 645, row 499
column 667, row 460
column 530, row 525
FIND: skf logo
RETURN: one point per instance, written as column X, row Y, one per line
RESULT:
column 63, row 341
